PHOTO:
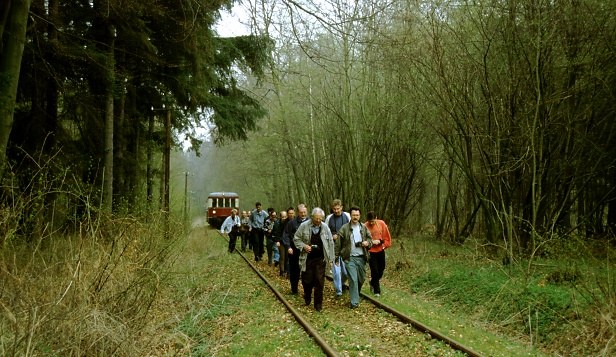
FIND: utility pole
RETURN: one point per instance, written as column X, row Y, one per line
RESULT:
column 185, row 196
column 167, row 171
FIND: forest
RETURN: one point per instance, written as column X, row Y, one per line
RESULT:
column 491, row 119
column 483, row 120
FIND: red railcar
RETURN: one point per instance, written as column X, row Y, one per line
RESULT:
column 219, row 206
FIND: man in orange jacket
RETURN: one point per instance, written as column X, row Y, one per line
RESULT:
column 381, row 240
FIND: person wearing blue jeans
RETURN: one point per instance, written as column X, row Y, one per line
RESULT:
column 257, row 220
column 352, row 246
column 335, row 221
column 356, row 270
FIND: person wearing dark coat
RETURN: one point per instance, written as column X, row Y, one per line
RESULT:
column 293, row 252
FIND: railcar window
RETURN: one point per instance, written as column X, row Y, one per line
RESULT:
column 228, row 202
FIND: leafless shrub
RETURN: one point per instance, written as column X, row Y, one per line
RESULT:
column 74, row 280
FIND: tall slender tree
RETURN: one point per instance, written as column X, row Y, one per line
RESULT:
column 13, row 24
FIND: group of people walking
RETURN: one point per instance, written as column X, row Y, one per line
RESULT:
column 303, row 246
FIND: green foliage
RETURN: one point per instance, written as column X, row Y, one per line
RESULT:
column 479, row 117
column 557, row 296
column 161, row 56
column 249, row 52
column 537, row 306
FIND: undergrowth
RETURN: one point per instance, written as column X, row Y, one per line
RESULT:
column 87, row 294
column 561, row 303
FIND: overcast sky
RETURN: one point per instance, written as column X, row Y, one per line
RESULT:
column 230, row 24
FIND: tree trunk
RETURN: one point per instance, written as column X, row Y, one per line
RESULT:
column 149, row 172
column 108, row 178
column 12, row 42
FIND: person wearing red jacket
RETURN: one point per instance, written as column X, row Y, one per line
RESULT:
column 381, row 240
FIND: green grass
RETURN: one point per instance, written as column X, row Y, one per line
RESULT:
column 545, row 301
column 464, row 328
column 501, row 296
column 228, row 311
column 118, row 293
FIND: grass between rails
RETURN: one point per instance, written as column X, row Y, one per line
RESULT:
column 366, row 331
column 423, row 307
column 227, row 310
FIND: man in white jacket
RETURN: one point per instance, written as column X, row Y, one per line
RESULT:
column 231, row 226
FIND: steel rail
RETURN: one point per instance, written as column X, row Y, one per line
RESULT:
column 327, row 349
column 423, row 328
column 418, row 325
column 311, row 331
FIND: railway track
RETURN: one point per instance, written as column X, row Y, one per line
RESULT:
column 375, row 328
